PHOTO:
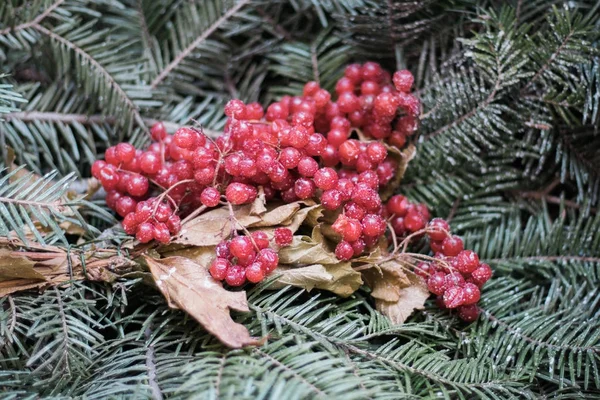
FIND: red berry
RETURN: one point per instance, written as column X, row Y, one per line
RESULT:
column 210, row 197
column 125, row 152
column 242, row 248
column 437, row 283
column 414, row 221
column 354, row 73
column 438, row 229
column 143, row 211
column 454, row 279
column 150, row 163
column 398, row 205
column 125, row 205
column 254, row 111
column 373, row 225
column 398, row 226
column 344, row 251
column 261, row 240
column 353, row 210
column 436, row 246
column 472, row 293
column 481, row 275
column 130, row 224
column 403, row 80
column 268, row 258
column 376, row 152
column 467, row 261
column 235, row 109
column 358, row 247
column 304, row 188
column 186, row 138
column 424, row 270
column 97, row 167
column 138, row 185
column 174, row 224
column 397, row 139
column 222, row 250
column 109, row 177
column 283, row 236
column 255, row 273
column 454, row 297
column 111, row 198
column 218, row 268
column 239, row 193
column 158, row 131
column 310, row 88
column 290, row 157
column 204, row 176
column 344, row 85
column 468, row 313
column 452, row 245
column 163, row 212
column 307, row 167
column 161, row 232
column 145, row 232
column 372, row 71
column 349, row 152
column 235, row 276
column 331, row 199
column 111, row 157
column 316, row 145
column 326, row 178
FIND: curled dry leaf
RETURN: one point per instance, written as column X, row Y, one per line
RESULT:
column 339, row 278
column 189, row 287
column 307, row 250
column 402, row 158
column 396, row 290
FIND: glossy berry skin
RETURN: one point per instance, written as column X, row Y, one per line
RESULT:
column 186, row 138
column 467, row 261
column 304, row 188
column 454, row 297
column 424, row 270
column 210, row 197
column 373, row 225
column 125, row 205
column 255, row 273
column 452, row 245
column 242, row 248
column 471, row 293
column 331, row 199
column 414, row 221
column 218, row 268
column 125, row 152
column 481, row 275
column 398, row 205
column 454, row 279
column 468, row 313
column 261, row 240
column 161, row 232
column 268, row 258
column 138, row 185
column 174, row 224
column 403, row 80
column 344, row 251
column 158, row 131
column 437, row 283
column 283, row 236
column 130, row 224
column 235, row 276
column 437, row 228
column 150, row 163
column 326, row 178
column 145, row 232
column 239, row 193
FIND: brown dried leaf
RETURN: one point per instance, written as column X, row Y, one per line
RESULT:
column 411, row 298
column 189, row 286
column 13, row 266
column 402, row 158
column 340, row 278
column 259, row 205
column 307, row 250
column 386, row 280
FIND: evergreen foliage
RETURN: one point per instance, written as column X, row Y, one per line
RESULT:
column 509, row 151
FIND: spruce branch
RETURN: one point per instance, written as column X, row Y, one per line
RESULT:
column 162, row 75
column 36, row 21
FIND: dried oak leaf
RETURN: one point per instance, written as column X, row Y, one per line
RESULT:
column 188, row 286
column 397, row 292
column 339, row 278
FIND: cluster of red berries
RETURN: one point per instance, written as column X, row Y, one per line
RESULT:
column 455, row 275
column 244, row 258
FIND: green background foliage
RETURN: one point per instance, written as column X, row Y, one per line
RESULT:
column 509, row 152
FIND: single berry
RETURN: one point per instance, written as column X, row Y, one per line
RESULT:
column 438, row 229
column 452, row 245
column 150, row 162
column 255, row 272
column 326, row 178
column 186, row 138
column 161, row 232
column 467, row 261
column 130, row 224
column 240, row 193
column 235, row 109
column 331, row 199
column 125, row 205
column 222, row 250
column 454, row 297
column 210, row 197
column 145, row 232
column 403, row 80
column 138, row 185
column 376, row 152
column 307, row 167
column 468, row 313
column 235, row 276
column 398, row 205
column 268, row 258
column 454, row 279
column 472, row 293
column 242, row 248
column 424, row 270
column 373, row 225
column 261, row 240
column 437, row 283
column 158, row 131
column 344, row 251
column 125, row 152
column 283, row 236
column 163, row 212
column 97, row 167
column 414, row 221
column 218, row 268
column 481, row 275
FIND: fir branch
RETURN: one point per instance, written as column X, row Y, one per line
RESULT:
column 36, row 21
column 162, row 75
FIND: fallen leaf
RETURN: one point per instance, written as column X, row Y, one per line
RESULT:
column 339, row 278
column 386, row 280
column 201, row 255
column 188, row 286
column 411, row 298
column 307, row 250
column 259, row 205
column 402, row 158
column 13, row 266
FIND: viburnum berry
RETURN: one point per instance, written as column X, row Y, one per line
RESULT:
column 437, row 283
column 174, row 224
column 307, row 167
column 414, row 221
column 437, row 229
column 403, row 80
column 467, row 261
column 235, row 276
column 218, row 268
column 130, row 224
column 125, row 205
column 260, row 239
column 481, row 275
column 242, row 248
column 468, row 313
column 210, row 197
column 158, row 131
column 185, row 138
column 163, row 212
column 235, row 109
column 344, row 251
column 145, row 232
column 255, row 272
column 268, row 258
column 454, row 297
column 331, row 199
column 452, row 245
column 326, row 178
column 471, row 293
column 161, row 232
column 454, row 279
column 304, row 188
column 239, row 193
column 283, row 236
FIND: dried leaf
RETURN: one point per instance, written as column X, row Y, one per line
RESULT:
column 259, row 205
column 386, row 280
column 340, row 278
column 189, row 286
column 411, row 298
column 13, row 266
column 307, row 250
column 200, row 255
column 402, row 158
